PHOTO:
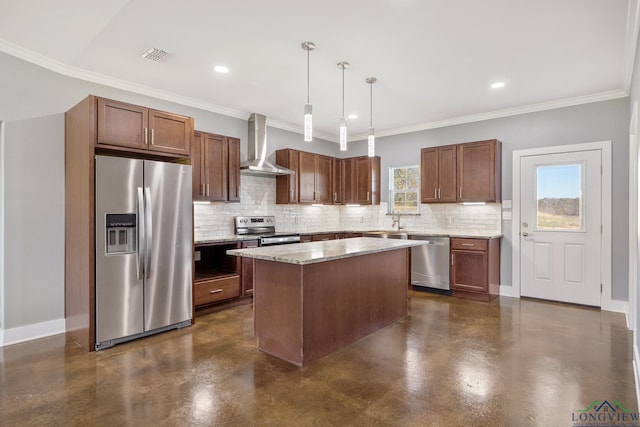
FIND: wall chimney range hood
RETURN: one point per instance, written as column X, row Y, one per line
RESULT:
column 257, row 163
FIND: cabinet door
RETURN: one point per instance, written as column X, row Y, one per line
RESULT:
column 429, row 175
column 170, row 133
column 324, row 193
column 215, row 167
column 307, row 177
column 336, row 180
column 363, row 180
column 469, row 271
column 447, row 165
column 348, row 185
column 122, row 125
column 198, row 184
column 233, row 170
column 477, row 171
column 287, row 185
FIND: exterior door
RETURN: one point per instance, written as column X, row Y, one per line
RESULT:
column 561, row 227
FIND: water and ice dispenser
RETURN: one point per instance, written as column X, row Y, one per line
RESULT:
column 120, row 233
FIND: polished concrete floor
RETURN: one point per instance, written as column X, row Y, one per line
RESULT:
column 451, row 362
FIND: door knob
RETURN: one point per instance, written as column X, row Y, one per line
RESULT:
column 525, row 234
column 524, row 224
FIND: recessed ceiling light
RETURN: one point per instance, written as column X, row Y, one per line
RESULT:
column 497, row 85
column 221, row 69
column 352, row 116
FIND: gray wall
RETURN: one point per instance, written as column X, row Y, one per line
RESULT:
column 33, row 99
column 34, row 215
column 634, row 96
column 600, row 121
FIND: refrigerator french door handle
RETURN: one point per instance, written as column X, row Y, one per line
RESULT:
column 141, row 233
column 148, row 232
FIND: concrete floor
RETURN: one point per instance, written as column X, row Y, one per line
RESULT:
column 451, row 362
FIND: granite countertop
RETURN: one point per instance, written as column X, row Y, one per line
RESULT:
column 460, row 234
column 312, row 252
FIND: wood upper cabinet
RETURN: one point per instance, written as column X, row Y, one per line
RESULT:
column 438, row 169
column 348, row 184
column 315, row 173
column 216, row 167
column 367, row 185
column 131, row 127
column 479, row 171
column 336, row 180
column 475, row 268
column 287, row 185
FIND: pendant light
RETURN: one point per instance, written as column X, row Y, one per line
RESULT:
column 308, row 120
column 343, row 122
column 371, row 138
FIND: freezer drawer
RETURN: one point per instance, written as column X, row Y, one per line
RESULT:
column 430, row 263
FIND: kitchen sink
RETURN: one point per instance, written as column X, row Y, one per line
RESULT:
column 386, row 234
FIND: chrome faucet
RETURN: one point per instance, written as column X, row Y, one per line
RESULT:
column 395, row 215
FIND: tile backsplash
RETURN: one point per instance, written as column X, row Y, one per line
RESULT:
column 258, row 197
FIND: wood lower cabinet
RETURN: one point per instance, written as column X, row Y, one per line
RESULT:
column 128, row 127
column 475, row 268
column 323, row 237
column 218, row 277
column 216, row 167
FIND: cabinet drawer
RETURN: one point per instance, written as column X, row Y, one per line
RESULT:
column 469, row 244
column 216, row 290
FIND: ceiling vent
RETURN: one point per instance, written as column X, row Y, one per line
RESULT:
column 154, row 54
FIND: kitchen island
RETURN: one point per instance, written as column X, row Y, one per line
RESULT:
column 311, row 299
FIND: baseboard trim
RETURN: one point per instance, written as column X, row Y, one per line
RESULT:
column 616, row 306
column 636, row 378
column 507, row 291
column 32, row 332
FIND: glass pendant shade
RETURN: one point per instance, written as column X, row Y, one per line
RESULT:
column 308, row 123
column 371, row 143
column 343, row 134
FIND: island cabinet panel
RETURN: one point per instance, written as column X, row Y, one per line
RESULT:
column 304, row 312
column 479, row 171
column 475, row 268
column 247, row 269
column 129, row 127
column 287, row 185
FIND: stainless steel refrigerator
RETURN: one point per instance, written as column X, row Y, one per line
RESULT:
column 143, row 253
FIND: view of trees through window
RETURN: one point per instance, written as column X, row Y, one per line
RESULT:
column 559, row 197
column 404, row 183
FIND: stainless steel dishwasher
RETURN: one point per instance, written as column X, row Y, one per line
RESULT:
column 430, row 263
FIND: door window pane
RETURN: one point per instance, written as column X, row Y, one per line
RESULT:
column 559, row 197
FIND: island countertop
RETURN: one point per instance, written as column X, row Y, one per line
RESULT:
column 313, row 252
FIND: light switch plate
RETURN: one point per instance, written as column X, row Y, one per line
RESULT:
column 506, row 204
column 197, row 256
column 506, row 215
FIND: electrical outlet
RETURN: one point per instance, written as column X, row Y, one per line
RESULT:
column 361, row 219
column 197, row 255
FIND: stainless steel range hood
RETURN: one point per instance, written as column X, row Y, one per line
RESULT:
column 257, row 163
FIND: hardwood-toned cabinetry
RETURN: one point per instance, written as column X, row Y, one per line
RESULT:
column 315, row 172
column 367, row 177
column 128, row 127
column 219, row 279
column 479, row 171
column 287, row 185
column 469, row 172
column 216, row 167
column 475, row 268
column 438, row 165
column 327, row 180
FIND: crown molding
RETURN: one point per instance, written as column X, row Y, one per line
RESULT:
column 532, row 108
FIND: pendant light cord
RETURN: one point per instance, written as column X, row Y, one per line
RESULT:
column 308, row 76
column 343, row 91
column 370, row 104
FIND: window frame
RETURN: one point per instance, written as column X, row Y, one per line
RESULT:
column 392, row 191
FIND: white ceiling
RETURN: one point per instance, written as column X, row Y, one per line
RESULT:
column 434, row 59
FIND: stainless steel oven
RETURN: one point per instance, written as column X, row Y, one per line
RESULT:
column 263, row 228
